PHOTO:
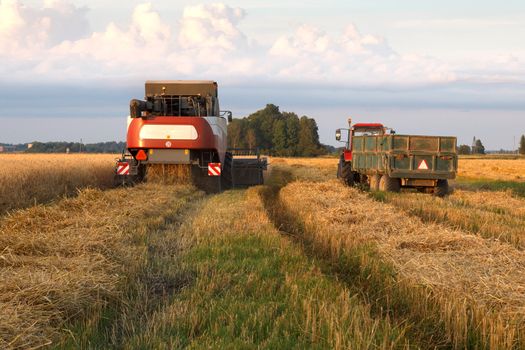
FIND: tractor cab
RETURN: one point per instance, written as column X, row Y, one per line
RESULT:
column 359, row 129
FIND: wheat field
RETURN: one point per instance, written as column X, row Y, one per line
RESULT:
column 496, row 169
column 27, row 179
column 302, row 261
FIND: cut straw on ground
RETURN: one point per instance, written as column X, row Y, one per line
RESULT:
column 63, row 263
column 476, row 286
column 254, row 289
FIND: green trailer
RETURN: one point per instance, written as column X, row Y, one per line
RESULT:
column 386, row 161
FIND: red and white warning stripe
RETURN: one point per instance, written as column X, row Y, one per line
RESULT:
column 214, row 169
column 123, row 168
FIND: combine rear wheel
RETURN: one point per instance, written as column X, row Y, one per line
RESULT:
column 227, row 172
column 374, row 182
column 441, row 190
column 389, row 184
column 200, row 178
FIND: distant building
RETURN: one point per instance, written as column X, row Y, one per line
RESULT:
column 5, row 149
column 29, row 145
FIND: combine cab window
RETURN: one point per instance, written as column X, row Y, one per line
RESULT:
column 184, row 106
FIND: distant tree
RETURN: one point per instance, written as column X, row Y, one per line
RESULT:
column 479, row 149
column 522, row 145
column 262, row 124
column 280, row 138
column 251, row 138
column 292, row 132
column 464, row 149
column 235, row 139
column 308, row 138
column 276, row 132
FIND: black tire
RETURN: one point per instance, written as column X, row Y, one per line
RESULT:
column 227, row 172
column 425, row 190
column 201, row 180
column 374, row 182
column 345, row 173
column 442, row 189
column 389, row 184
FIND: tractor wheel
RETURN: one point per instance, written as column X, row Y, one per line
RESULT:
column 441, row 190
column 374, row 182
column 345, row 172
column 389, row 184
column 227, row 172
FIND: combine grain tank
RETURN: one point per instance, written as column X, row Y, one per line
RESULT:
column 179, row 124
column 386, row 161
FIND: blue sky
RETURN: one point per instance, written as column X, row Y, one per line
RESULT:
column 68, row 68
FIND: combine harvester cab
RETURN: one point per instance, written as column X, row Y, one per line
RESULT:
column 388, row 162
column 179, row 131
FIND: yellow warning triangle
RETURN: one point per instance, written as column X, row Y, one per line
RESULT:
column 423, row 165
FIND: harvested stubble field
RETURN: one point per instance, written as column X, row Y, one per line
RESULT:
column 301, row 262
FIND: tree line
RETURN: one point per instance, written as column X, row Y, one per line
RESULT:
column 277, row 133
column 476, row 148
column 76, row 147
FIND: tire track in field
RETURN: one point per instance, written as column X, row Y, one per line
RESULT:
column 348, row 271
column 150, row 285
column 254, row 289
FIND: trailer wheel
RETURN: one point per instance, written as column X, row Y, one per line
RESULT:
column 374, row 182
column 441, row 190
column 345, row 172
column 389, row 184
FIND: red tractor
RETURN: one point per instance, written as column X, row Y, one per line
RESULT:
column 180, row 123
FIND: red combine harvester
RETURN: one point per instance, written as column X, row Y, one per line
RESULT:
column 180, row 124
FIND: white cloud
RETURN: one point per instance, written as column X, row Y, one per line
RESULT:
column 352, row 58
column 211, row 26
column 24, row 29
column 53, row 43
